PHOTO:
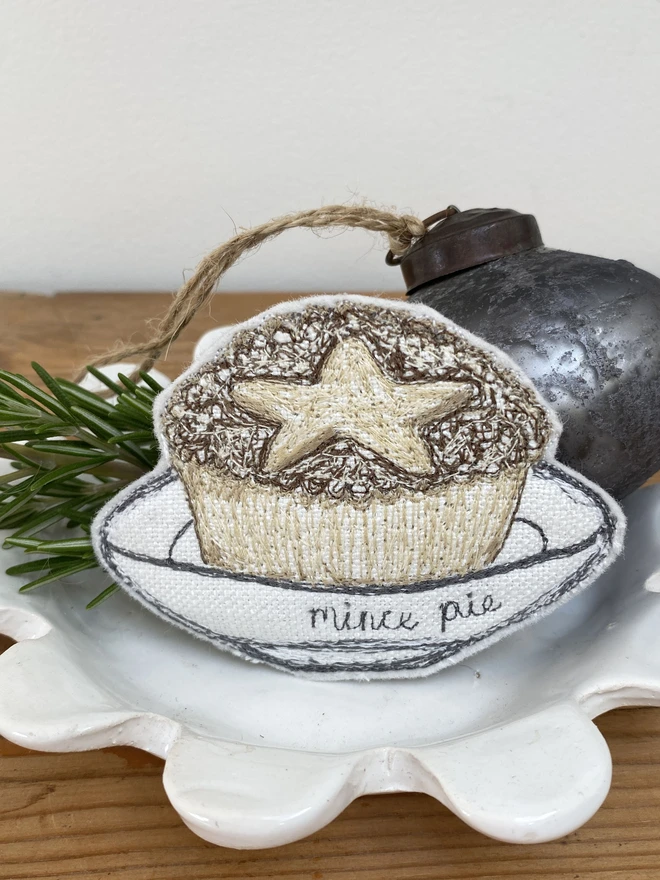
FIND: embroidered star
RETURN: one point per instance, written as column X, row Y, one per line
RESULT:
column 352, row 398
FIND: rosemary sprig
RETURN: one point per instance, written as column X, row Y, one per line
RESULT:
column 70, row 450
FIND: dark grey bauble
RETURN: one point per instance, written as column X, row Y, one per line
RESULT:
column 586, row 330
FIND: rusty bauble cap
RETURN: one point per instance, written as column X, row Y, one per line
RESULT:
column 465, row 239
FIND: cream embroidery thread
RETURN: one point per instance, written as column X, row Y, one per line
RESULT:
column 245, row 527
column 352, row 398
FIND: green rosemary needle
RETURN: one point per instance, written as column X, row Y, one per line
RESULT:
column 69, row 451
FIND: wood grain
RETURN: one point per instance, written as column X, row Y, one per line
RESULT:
column 104, row 814
column 63, row 332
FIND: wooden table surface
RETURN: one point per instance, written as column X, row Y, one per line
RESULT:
column 105, row 814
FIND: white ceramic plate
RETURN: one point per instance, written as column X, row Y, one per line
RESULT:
column 257, row 757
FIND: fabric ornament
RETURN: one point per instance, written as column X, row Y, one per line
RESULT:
column 353, row 487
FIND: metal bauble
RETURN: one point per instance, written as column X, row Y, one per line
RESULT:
column 585, row 329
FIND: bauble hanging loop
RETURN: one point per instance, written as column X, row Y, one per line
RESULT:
column 401, row 230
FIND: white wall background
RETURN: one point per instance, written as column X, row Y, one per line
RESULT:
column 135, row 133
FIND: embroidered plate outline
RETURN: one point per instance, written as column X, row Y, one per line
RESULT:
column 414, row 654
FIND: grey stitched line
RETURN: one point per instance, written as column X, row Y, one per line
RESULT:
column 177, row 537
column 372, row 589
column 536, row 527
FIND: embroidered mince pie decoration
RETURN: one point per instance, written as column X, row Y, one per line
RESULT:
column 356, row 487
column 353, row 445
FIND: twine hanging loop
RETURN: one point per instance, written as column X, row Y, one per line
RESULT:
column 401, row 231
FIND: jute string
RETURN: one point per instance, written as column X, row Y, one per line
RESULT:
column 400, row 229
